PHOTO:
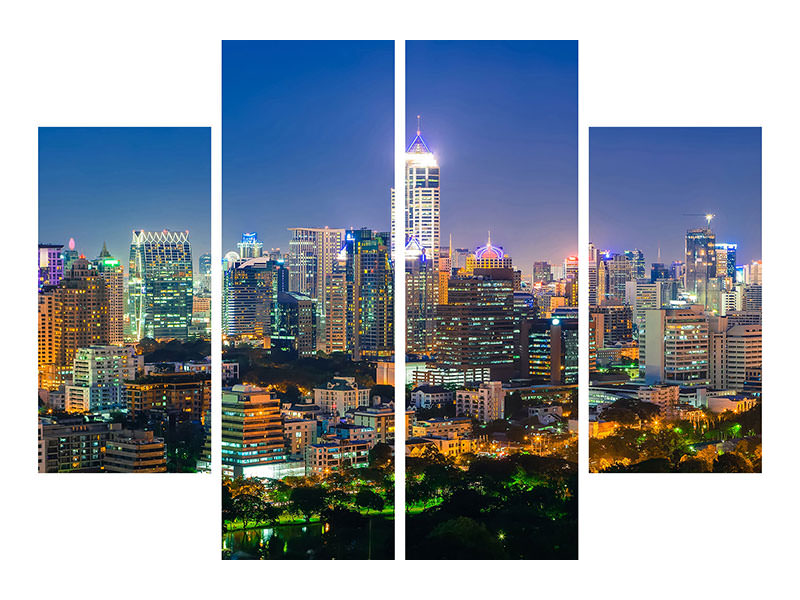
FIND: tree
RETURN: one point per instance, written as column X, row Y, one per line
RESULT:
column 730, row 462
column 380, row 455
column 307, row 500
column 366, row 498
column 462, row 538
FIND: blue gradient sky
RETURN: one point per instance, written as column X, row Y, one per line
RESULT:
column 502, row 119
column 98, row 184
column 307, row 134
column 643, row 180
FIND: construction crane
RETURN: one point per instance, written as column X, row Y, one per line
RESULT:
column 706, row 216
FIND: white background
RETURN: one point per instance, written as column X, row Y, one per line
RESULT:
column 158, row 63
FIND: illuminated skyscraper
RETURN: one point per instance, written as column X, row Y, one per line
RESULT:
column 422, row 198
column 204, row 266
column 594, row 258
column 72, row 315
column 542, row 272
column 160, row 284
column 250, row 247
column 421, row 277
column 636, row 257
column 370, row 281
column 336, row 325
column 477, row 326
column 51, row 264
column 676, row 347
column 249, row 300
column 313, row 254
column 726, row 260
column 110, row 269
column 701, row 262
column 488, row 257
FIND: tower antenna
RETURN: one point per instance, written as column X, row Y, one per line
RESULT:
column 418, row 125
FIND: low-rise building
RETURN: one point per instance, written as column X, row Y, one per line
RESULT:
column 325, row 458
column 432, row 396
column 379, row 418
column 719, row 403
column 135, row 452
column 484, row 403
column 340, row 395
column 663, row 396
column 442, row 426
column 73, row 445
column 298, row 434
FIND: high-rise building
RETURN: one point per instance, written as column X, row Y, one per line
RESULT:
column 553, row 351
column 72, row 315
column 421, row 277
column 296, row 326
column 619, row 270
column 735, row 354
column 477, row 326
column 336, row 325
column 701, row 262
column 111, row 269
column 252, row 433
column 617, row 323
column 99, row 374
column 204, row 266
column 542, row 272
column 659, row 271
column 752, row 296
column 594, row 259
column 571, row 268
column 422, row 198
column 160, row 285
column 313, row 254
column 636, row 257
column 250, row 247
column 51, row 264
column 370, row 280
column 726, row 260
column 676, row 346
column 250, row 296
column 488, row 257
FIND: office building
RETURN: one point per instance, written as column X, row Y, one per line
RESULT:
column 160, row 285
column 252, row 433
column 72, row 315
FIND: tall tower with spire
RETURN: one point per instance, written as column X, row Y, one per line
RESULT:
column 111, row 269
column 421, row 197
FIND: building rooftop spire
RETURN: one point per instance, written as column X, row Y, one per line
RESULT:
column 418, row 145
column 104, row 253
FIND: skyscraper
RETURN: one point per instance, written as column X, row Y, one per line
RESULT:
column 250, row 247
column 701, row 262
column 421, row 277
column 204, row 266
column 249, row 300
column 72, row 315
column 160, row 284
column 477, row 326
column 370, row 280
column 726, row 260
column 422, row 198
column 51, row 264
column 110, row 269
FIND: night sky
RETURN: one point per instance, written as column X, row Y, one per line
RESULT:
column 98, row 184
column 502, row 120
column 307, row 133
column 643, row 180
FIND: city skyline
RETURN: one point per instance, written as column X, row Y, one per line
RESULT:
column 108, row 177
column 306, row 124
column 514, row 120
column 685, row 173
